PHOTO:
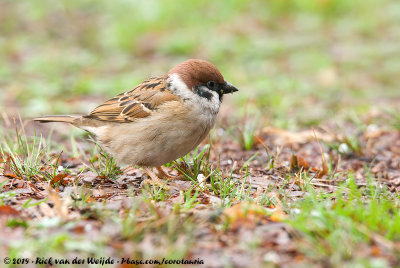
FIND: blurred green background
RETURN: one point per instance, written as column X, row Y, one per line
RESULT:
column 297, row 63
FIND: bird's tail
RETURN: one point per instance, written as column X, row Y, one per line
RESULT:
column 71, row 119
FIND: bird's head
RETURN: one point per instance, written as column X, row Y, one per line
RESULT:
column 203, row 78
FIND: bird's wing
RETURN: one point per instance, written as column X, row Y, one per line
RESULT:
column 137, row 103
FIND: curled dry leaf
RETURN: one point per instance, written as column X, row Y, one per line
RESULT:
column 298, row 162
column 285, row 137
column 324, row 170
column 7, row 171
column 60, row 205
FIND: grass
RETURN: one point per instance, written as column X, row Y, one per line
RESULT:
column 24, row 161
column 188, row 201
column 106, row 164
column 155, row 192
column 196, row 166
column 229, row 189
column 248, row 131
column 196, row 163
column 338, row 226
column 27, row 157
column 331, row 229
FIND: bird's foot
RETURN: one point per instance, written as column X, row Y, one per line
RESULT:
column 155, row 180
column 164, row 175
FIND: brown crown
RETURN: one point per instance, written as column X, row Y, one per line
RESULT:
column 197, row 72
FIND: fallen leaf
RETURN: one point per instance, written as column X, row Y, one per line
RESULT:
column 8, row 211
column 7, row 170
column 60, row 205
column 376, row 251
column 278, row 215
column 298, row 162
column 247, row 210
column 285, row 137
column 79, row 229
column 58, row 178
column 323, row 172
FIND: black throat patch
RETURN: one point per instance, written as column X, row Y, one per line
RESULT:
column 203, row 93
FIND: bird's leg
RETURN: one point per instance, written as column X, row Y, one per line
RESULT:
column 164, row 175
column 154, row 179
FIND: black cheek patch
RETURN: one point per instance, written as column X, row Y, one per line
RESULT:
column 203, row 93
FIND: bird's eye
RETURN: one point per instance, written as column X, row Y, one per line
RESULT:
column 211, row 84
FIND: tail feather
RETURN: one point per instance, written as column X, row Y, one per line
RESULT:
column 71, row 119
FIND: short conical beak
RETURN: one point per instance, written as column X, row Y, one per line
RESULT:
column 228, row 88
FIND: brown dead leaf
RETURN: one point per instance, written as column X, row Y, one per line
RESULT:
column 32, row 186
column 244, row 211
column 376, row 251
column 203, row 199
column 60, row 205
column 79, row 229
column 322, row 172
column 298, row 162
column 278, row 214
column 8, row 211
column 7, row 171
column 58, row 178
column 90, row 199
column 285, row 137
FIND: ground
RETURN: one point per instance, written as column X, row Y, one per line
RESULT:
column 301, row 170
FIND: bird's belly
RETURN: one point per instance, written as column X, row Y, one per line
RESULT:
column 156, row 143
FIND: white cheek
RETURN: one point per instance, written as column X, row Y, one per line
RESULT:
column 179, row 88
column 213, row 102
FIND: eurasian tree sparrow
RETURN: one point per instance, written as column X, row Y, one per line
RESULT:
column 161, row 119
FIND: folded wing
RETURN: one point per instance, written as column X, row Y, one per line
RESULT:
column 137, row 103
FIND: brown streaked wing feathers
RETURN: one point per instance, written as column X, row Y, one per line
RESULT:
column 136, row 103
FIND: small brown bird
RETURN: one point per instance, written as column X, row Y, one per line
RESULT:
column 160, row 120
